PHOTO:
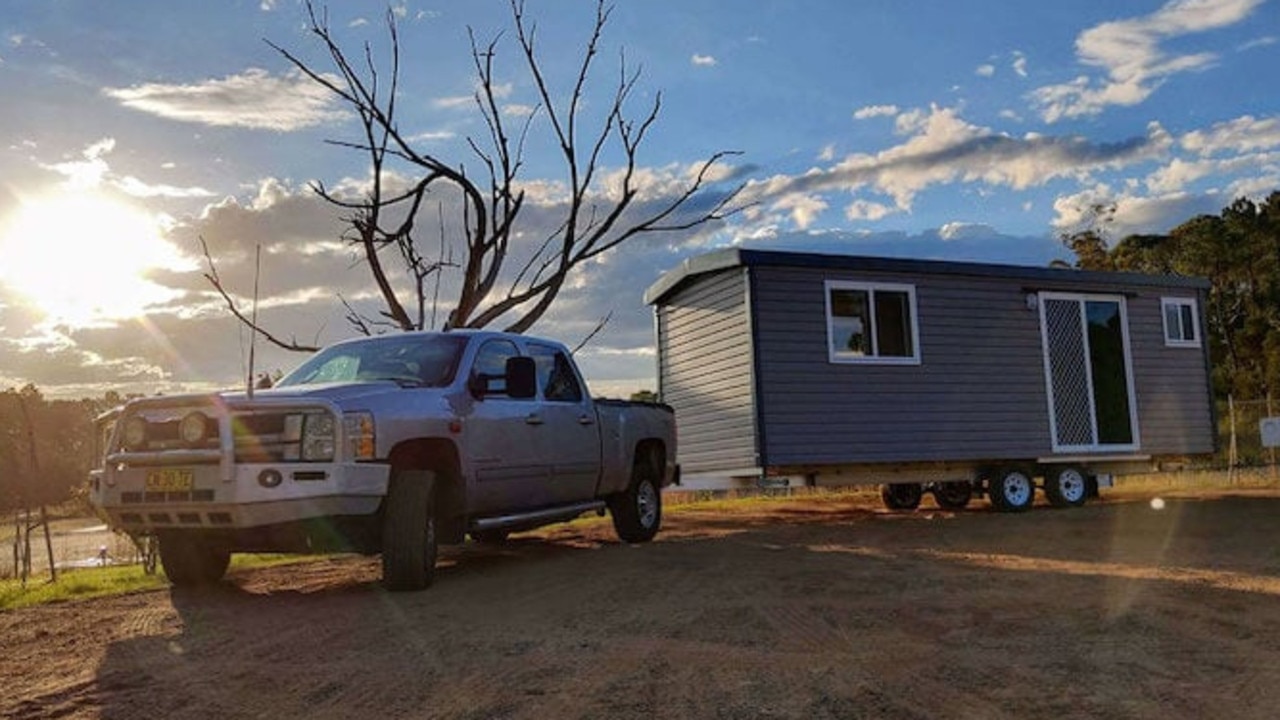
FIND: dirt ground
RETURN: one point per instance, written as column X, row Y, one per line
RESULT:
column 814, row 608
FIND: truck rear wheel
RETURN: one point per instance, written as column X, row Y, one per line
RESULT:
column 901, row 496
column 637, row 511
column 409, row 531
column 1011, row 489
column 1066, row 486
column 191, row 562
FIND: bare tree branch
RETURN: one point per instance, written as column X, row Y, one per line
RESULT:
column 503, row 274
column 216, row 282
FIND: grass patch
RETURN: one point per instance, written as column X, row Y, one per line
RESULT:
column 78, row 584
column 84, row 583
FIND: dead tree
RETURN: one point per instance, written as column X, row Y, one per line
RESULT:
column 504, row 276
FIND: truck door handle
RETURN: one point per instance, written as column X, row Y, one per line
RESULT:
column 586, row 420
column 533, row 419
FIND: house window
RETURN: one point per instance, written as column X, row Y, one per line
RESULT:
column 1181, row 322
column 872, row 323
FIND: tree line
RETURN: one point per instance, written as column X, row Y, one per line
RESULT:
column 1238, row 251
column 47, row 446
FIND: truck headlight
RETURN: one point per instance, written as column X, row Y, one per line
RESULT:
column 193, row 428
column 318, row 441
column 135, row 433
column 358, row 429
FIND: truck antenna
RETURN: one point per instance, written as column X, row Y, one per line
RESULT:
column 253, row 336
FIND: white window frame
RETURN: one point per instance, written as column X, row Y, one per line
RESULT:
column 1180, row 302
column 874, row 358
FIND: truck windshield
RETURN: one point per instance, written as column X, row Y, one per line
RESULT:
column 411, row 360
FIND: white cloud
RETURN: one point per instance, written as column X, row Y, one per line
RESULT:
column 431, row 136
column 828, row 153
column 957, row 230
column 518, row 110
column 1244, row 134
column 703, row 60
column 1019, row 63
column 873, row 111
column 1135, row 214
column 89, row 172
column 944, row 149
column 986, row 70
column 867, row 210
column 804, row 209
column 1130, row 53
column 1258, row 42
column 253, row 99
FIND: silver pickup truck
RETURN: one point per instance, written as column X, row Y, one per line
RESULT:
column 388, row 445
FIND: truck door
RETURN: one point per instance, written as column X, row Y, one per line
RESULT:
column 501, row 440
column 570, row 433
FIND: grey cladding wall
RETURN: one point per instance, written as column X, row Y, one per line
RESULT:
column 978, row 392
column 704, row 336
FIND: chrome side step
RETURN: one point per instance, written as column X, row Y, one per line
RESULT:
column 537, row 518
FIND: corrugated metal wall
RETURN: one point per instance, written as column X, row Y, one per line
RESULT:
column 704, row 340
column 977, row 393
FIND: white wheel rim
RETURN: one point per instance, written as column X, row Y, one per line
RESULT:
column 647, row 504
column 1071, row 485
column 1017, row 488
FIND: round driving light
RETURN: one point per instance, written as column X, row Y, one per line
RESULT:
column 193, row 427
column 270, row 478
column 135, row 433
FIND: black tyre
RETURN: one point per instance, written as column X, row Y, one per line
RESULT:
column 953, row 495
column 490, row 537
column 637, row 511
column 409, row 531
column 901, row 496
column 1066, row 486
column 1011, row 490
column 191, row 562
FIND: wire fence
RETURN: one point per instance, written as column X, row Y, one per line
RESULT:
column 1240, row 433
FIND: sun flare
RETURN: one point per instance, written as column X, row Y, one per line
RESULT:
column 81, row 258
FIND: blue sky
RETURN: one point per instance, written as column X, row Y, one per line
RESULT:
column 967, row 130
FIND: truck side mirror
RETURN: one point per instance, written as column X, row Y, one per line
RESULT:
column 522, row 378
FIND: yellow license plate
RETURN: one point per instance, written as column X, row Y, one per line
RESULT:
column 169, row 480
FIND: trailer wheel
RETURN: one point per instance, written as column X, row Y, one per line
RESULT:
column 1011, row 490
column 1066, row 486
column 953, row 495
column 409, row 531
column 901, row 496
column 637, row 511
column 191, row 562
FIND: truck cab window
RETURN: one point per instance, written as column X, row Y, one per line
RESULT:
column 555, row 375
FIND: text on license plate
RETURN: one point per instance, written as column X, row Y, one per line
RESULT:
column 169, row 480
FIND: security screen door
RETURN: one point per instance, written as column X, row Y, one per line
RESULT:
column 1088, row 372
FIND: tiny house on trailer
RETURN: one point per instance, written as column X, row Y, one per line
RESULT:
column 954, row 378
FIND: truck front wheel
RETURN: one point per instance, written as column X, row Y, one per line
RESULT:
column 190, row 562
column 637, row 511
column 409, row 531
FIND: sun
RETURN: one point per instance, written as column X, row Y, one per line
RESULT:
column 81, row 257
